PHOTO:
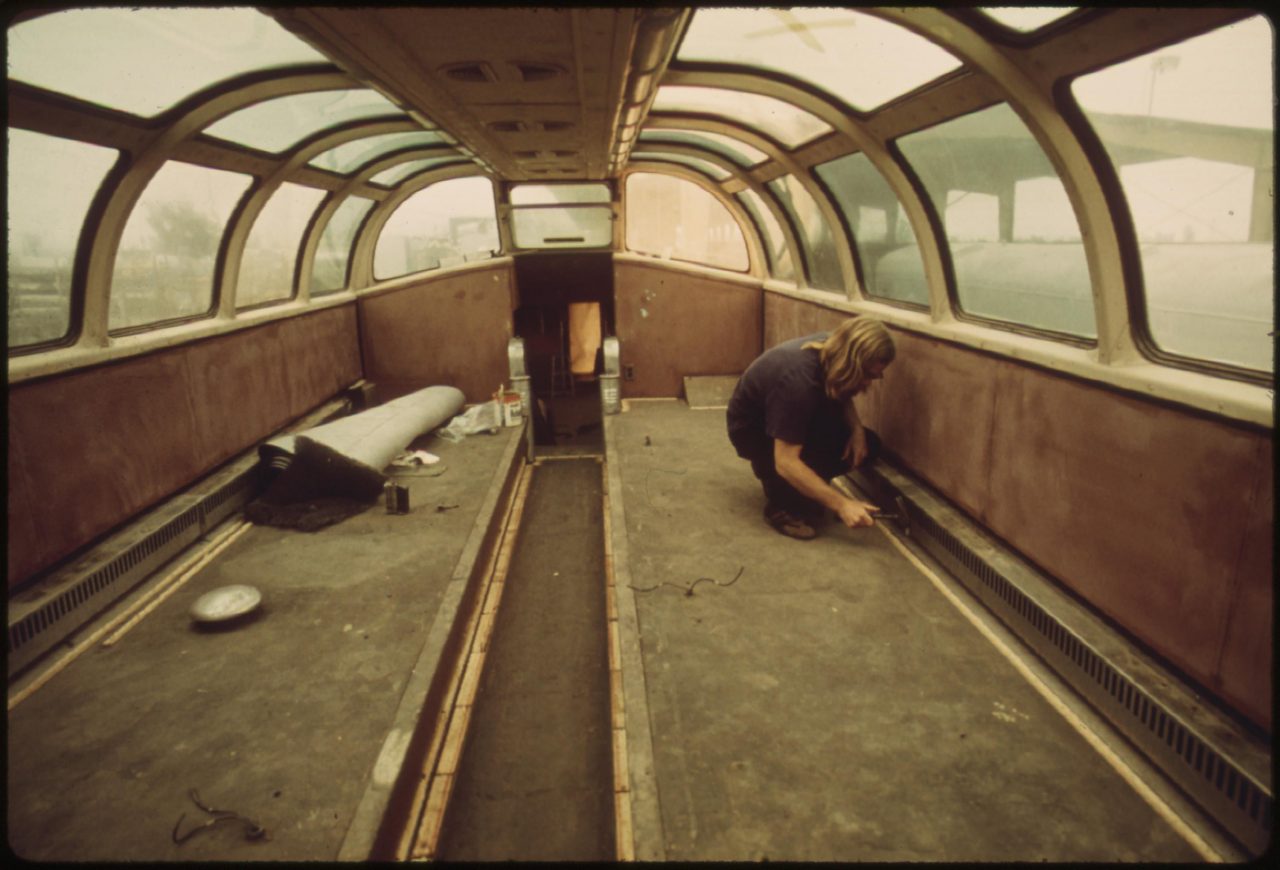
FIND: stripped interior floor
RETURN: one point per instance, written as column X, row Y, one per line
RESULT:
column 781, row 699
column 829, row 704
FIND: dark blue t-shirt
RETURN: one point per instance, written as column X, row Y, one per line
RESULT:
column 781, row 395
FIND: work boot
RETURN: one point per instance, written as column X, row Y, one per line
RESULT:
column 788, row 524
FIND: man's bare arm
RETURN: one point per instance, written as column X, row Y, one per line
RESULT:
column 792, row 469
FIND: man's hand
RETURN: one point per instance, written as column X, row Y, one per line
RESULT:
column 856, row 451
column 856, row 513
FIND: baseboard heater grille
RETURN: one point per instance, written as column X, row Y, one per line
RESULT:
column 1212, row 759
column 46, row 613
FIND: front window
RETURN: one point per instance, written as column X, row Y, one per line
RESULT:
column 561, row 216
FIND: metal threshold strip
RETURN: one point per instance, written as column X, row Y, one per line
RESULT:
column 1222, row 768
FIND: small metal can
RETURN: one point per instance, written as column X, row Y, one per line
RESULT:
column 397, row 498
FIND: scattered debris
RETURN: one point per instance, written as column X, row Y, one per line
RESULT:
column 415, row 458
column 441, row 508
column 253, row 831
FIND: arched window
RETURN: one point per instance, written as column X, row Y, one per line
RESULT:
column 677, row 219
column 271, row 251
column 1013, row 236
column 448, row 221
column 165, row 264
column 1190, row 130
column 329, row 272
column 51, row 183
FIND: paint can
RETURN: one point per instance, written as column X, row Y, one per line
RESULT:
column 397, row 498
column 512, row 409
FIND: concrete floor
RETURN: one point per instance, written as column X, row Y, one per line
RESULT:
column 829, row 705
column 290, row 719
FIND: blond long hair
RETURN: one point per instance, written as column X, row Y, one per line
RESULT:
column 850, row 349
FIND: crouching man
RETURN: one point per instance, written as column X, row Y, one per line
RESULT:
column 792, row 416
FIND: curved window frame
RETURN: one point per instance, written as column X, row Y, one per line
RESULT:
column 1136, row 292
column 217, row 258
column 440, row 263
column 867, row 286
column 676, row 256
column 299, row 235
column 947, row 248
column 73, row 309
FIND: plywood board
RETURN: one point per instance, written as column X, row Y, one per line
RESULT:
column 709, row 391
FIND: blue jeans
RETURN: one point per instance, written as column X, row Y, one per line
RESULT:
column 825, row 458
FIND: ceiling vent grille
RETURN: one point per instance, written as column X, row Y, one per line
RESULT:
column 469, row 73
column 538, row 72
column 1211, row 759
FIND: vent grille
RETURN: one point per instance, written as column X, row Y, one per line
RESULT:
column 35, row 632
column 538, row 72
column 469, row 73
column 85, row 591
column 1239, row 802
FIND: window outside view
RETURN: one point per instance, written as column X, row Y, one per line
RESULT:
column 442, row 225
column 815, row 235
column 1013, row 237
column 781, row 266
column 144, row 60
column 675, row 219
column 165, row 263
column 51, row 182
column 329, row 274
column 561, row 216
column 858, row 58
column 271, row 250
column 881, row 233
column 278, row 124
column 1191, row 134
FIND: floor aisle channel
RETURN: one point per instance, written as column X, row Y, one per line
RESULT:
column 535, row 781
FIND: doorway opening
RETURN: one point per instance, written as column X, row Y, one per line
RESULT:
column 564, row 359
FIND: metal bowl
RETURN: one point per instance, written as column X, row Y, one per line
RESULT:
column 225, row 602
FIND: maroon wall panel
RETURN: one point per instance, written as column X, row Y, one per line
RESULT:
column 672, row 323
column 93, row 448
column 1154, row 515
column 323, row 358
column 1245, row 671
column 786, row 318
column 451, row 330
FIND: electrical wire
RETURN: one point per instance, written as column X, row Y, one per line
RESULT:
column 688, row 590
